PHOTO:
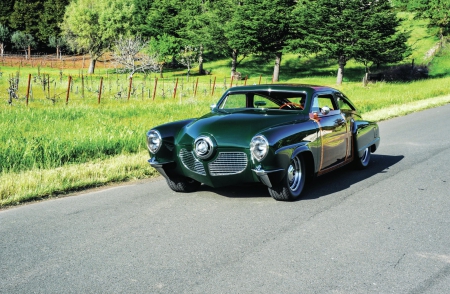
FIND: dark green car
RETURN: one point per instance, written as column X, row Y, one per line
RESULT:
column 277, row 135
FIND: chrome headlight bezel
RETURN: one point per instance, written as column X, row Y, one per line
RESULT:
column 154, row 141
column 259, row 147
column 203, row 147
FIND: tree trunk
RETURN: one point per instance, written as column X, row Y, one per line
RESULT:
column 92, row 65
column 29, row 51
column 2, row 49
column 161, row 66
column 276, row 69
column 200, row 61
column 340, row 74
column 233, row 62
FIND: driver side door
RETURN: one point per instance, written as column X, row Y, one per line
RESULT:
column 334, row 131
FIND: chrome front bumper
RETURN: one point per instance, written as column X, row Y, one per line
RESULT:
column 264, row 175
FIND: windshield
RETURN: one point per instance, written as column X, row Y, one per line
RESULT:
column 266, row 100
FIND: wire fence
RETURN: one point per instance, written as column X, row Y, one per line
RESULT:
column 107, row 84
column 64, row 88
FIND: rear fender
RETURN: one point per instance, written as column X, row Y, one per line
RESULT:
column 366, row 134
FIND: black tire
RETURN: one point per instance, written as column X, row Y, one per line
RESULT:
column 291, row 186
column 363, row 161
column 182, row 184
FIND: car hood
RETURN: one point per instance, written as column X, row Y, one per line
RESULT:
column 238, row 128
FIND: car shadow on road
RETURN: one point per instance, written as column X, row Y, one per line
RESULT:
column 321, row 186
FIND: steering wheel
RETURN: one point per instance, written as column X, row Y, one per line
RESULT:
column 291, row 103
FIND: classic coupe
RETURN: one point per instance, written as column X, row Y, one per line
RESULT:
column 278, row 135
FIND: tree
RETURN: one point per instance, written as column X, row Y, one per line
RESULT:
column 240, row 43
column 128, row 52
column 58, row 43
column 51, row 16
column 163, row 48
column 162, row 18
column 188, row 57
column 348, row 29
column 6, row 9
column 25, row 16
column 91, row 26
column 261, row 32
column 23, row 41
column 437, row 11
column 4, row 36
column 195, row 31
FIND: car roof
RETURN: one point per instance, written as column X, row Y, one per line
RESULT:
column 282, row 87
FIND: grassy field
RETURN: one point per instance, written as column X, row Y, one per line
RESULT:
column 64, row 140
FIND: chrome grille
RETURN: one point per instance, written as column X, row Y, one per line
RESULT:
column 228, row 163
column 192, row 163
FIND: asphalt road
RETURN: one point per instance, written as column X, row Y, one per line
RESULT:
column 382, row 230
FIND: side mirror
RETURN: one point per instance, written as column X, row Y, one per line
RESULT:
column 212, row 107
column 325, row 110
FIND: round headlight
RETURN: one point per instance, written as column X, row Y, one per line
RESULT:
column 154, row 141
column 203, row 147
column 259, row 146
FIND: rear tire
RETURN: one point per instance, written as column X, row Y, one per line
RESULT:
column 363, row 161
column 183, row 184
column 291, row 186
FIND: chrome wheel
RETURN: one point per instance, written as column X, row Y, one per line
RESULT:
column 363, row 161
column 366, row 157
column 294, row 174
column 291, row 186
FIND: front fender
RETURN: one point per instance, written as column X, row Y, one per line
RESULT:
column 168, row 133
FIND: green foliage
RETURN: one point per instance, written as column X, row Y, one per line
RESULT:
column 92, row 26
column 6, row 9
column 4, row 38
column 437, row 11
column 342, row 30
column 25, row 16
column 51, row 17
column 164, row 47
column 162, row 18
column 22, row 40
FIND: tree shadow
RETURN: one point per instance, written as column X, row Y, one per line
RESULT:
column 318, row 187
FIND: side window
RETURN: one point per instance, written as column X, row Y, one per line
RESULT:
column 323, row 100
column 235, row 101
column 343, row 104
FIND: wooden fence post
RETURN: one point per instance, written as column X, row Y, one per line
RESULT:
column 68, row 90
column 28, row 88
column 175, row 89
column 100, row 90
column 129, row 87
column 154, row 90
column 196, row 85
column 214, row 86
column 82, row 85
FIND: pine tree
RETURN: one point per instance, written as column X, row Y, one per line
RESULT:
column 361, row 29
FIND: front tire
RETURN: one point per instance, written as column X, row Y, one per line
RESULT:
column 182, row 184
column 291, row 186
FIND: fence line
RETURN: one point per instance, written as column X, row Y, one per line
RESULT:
column 59, row 88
